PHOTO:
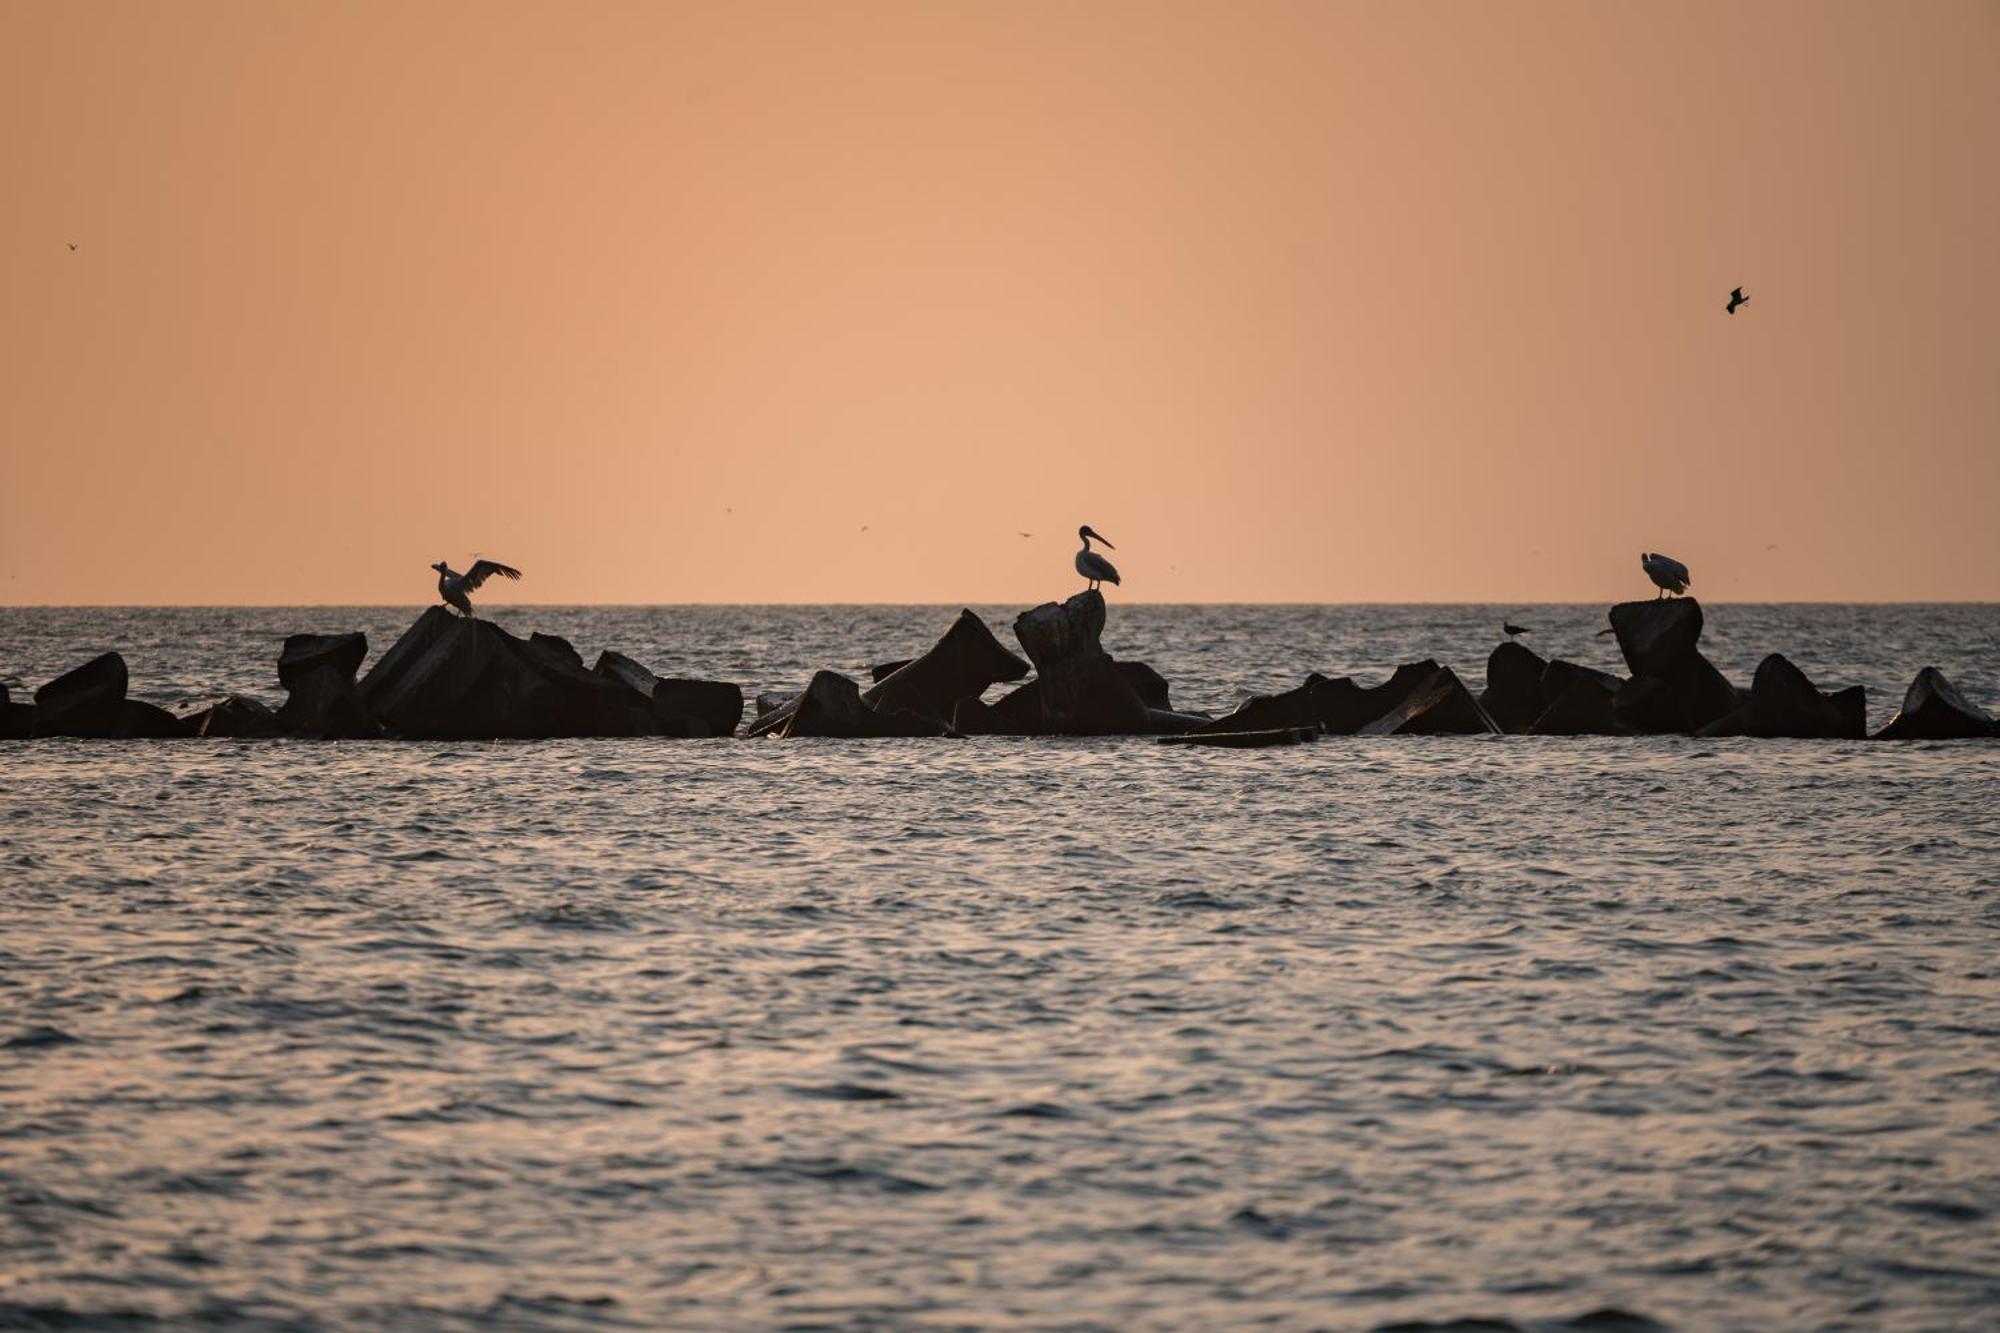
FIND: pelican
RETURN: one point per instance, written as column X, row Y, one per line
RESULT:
column 1090, row 564
column 453, row 587
column 1669, row 574
column 1736, row 298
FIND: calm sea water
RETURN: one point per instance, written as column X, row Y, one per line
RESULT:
column 1001, row 1033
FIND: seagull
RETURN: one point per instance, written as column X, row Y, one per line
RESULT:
column 1511, row 629
column 1667, row 573
column 1090, row 564
column 1736, row 298
column 453, row 587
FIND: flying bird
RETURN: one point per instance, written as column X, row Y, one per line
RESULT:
column 1511, row 629
column 453, row 587
column 1667, row 573
column 1090, row 564
column 1025, row 534
column 72, row 245
column 1736, row 298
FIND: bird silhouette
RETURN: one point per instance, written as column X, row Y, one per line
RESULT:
column 72, row 245
column 1511, row 629
column 1736, row 298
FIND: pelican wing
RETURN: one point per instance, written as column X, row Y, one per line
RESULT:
column 1097, row 567
column 483, row 570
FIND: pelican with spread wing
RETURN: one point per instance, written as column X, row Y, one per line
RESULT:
column 453, row 587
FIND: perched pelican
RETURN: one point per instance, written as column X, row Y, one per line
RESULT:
column 453, row 587
column 1736, row 298
column 1090, row 564
column 1669, row 574
column 1511, row 630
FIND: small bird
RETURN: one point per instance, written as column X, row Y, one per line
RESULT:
column 1025, row 534
column 1511, row 630
column 1090, row 564
column 1667, row 573
column 72, row 245
column 453, row 587
column 1736, row 298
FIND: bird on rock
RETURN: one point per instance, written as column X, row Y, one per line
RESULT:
column 453, row 587
column 1090, row 564
column 1667, row 573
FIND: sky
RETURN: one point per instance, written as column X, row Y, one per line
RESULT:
column 877, row 302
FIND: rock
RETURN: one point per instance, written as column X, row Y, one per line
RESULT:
column 1657, row 637
column 1081, row 690
column 235, row 717
column 1166, row 722
column 832, row 706
column 1441, row 706
column 1337, row 707
column 1559, row 676
column 1247, row 740
column 1583, row 707
column 684, row 708
column 1659, row 641
column 1851, row 706
column 963, row 664
column 1148, row 684
column 772, row 700
column 141, row 721
column 1513, row 693
column 1933, row 710
column 1784, row 703
column 17, row 721
column 882, row 671
column 455, row 678
column 85, row 702
column 1016, row 713
column 324, row 702
column 715, row 705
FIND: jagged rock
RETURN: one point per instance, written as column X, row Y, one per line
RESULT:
column 141, row 721
column 883, row 670
column 772, row 700
column 1148, row 684
column 1247, row 740
column 1558, row 676
column 684, row 708
column 1513, row 693
column 318, row 670
column 1081, row 690
column 1657, row 637
column 454, row 678
column 713, row 705
column 1582, row 707
column 17, row 721
column 1441, row 706
column 235, row 717
column 832, row 706
column 1338, row 707
column 962, row 664
column 85, row 702
column 1933, row 710
column 1851, row 707
column 1659, row 641
column 1784, row 703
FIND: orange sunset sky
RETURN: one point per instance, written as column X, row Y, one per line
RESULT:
column 1297, row 302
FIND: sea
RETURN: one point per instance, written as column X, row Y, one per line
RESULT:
column 1497, row 1033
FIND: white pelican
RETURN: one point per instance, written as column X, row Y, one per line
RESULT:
column 1668, row 573
column 1090, row 564
column 1736, row 298
column 453, row 587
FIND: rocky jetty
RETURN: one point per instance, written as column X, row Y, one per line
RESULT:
column 449, row 677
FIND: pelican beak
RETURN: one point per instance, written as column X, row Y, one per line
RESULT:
column 1101, row 537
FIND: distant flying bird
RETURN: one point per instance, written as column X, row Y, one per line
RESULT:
column 1736, row 298
column 1667, row 573
column 1025, row 534
column 72, row 245
column 1090, row 564
column 1511, row 629
column 453, row 587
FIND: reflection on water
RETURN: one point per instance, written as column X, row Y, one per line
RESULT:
column 997, row 1033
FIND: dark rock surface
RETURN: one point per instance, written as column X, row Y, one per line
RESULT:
column 832, row 706
column 716, row 705
column 234, row 717
column 1337, row 707
column 1659, row 636
column 141, row 721
column 1581, row 707
column 1151, row 687
column 1513, row 693
column 1081, row 690
column 963, row 664
column 88, row 701
column 453, row 678
column 318, row 670
column 1684, row 691
column 1784, row 703
column 17, row 721
column 1440, row 706
column 881, row 671
column 1934, row 710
